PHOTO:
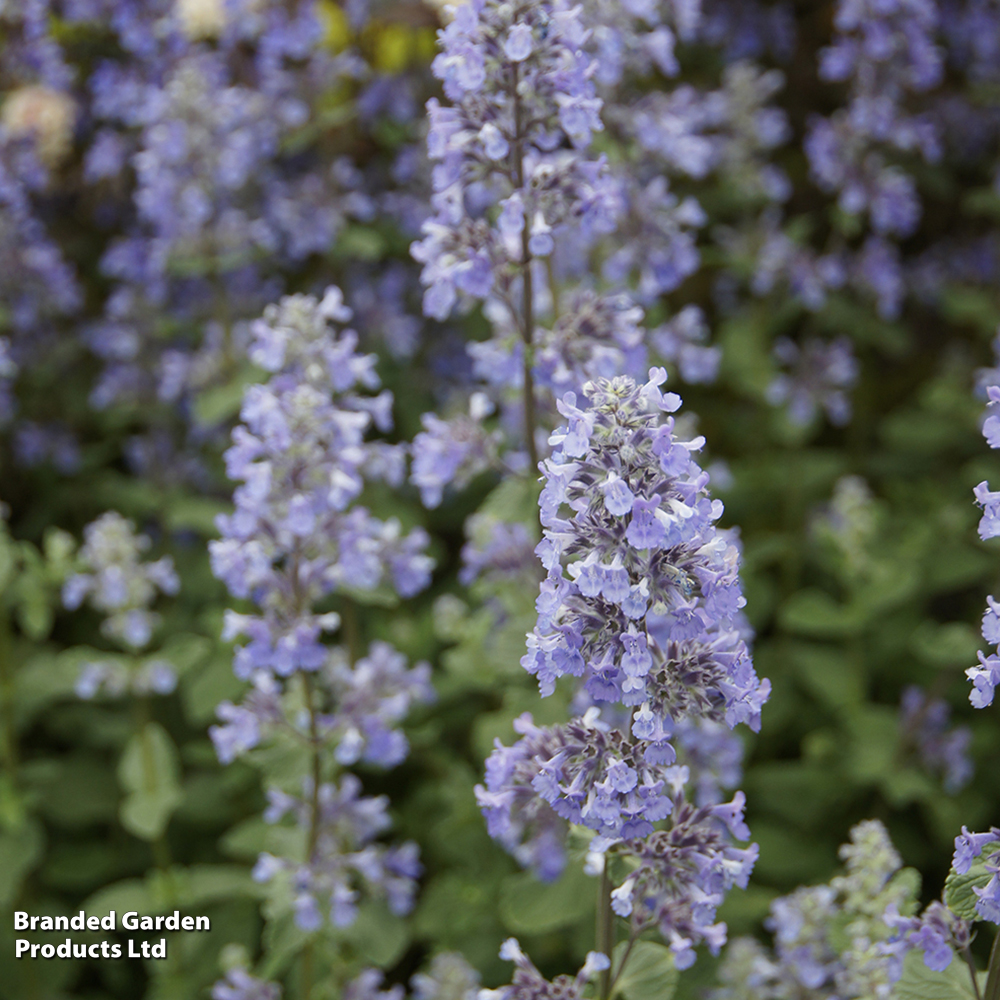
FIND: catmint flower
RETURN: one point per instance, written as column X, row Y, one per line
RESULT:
column 821, row 372
column 650, row 594
column 327, row 885
column 924, row 723
column 529, row 984
column 812, row 957
column 117, row 583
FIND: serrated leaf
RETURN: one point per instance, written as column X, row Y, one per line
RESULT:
column 920, row 983
column 650, row 973
column 958, row 894
column 528, row 906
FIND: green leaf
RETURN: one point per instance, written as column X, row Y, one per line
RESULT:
column 379, row 936
column 920, row 983
column 958, row 894
column 20, row 850
column 129, row 894
column 814, row 612
column 528, row 906
column 149, row 772
column 650, row 973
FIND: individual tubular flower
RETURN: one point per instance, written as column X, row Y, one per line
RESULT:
column 680, row 876
column 117, row 583
column 646, row 607
column 301, row 456
column 923, row 722
column 345, row 858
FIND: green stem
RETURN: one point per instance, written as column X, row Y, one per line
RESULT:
column 967, row 955
column 312, row 839
column 605, row 932
column 632, row 938
column 993, row 976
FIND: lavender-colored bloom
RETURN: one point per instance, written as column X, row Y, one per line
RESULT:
column 672, row 557
column 885, row 50
column 924, row 723
column 302, row 458
column 117, row 583
column 240, row 985
column 529, row 984
column 345, row 860
column 515, row 76
column 821, row 372
column 813, row 957
column 986, row 676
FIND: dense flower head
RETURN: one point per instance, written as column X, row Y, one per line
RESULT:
column 836, row 939
column 577, row 772
column 117, row 583
column 642, row 597
column 301, row 457
column 680, row 876
column 345, row 861
column 520, row 83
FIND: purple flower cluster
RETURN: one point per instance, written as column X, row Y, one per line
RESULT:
column 520, row 82
column 844, row 939
column 884, row 51
column 344, row 858
column 642, row 603
column 301, row 457
column 680, row 876
column 646, row 609
column 924, row 724
column 117, row 583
